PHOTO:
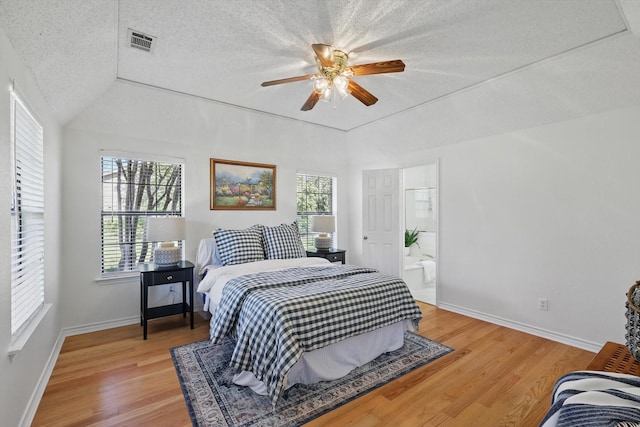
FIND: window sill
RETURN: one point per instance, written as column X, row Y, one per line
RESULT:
column 18, row 343
column 117, row 278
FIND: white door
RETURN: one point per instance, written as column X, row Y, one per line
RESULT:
column 381, row 220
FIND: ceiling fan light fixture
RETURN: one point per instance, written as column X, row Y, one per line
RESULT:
column 341, row 83
column 320, row 84
column 326, row 94
column 334, row 76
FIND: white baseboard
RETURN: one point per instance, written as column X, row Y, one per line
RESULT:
column 99, row 326
column 522, row 327
column 34, row 402
column 36, row 396
column 27, row 419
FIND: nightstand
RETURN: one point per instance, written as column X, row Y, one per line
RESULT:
column 153, row 275
column 333, row 255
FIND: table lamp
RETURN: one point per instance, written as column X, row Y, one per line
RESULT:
column 324, row 225
column 166, row 231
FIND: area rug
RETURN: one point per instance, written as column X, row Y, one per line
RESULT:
column 214, row 400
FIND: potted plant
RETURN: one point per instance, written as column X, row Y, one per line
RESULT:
column 410, row 238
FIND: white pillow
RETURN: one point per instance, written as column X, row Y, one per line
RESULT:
column 207, row 255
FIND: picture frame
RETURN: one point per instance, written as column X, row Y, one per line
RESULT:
column 239, row 185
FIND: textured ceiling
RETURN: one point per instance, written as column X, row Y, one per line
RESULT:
column 222, row 50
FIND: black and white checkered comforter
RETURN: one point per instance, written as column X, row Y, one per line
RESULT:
column 275, row 316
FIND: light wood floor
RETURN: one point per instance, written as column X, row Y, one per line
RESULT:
column 495, row 377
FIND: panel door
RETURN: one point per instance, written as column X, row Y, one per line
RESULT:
column 381, row 220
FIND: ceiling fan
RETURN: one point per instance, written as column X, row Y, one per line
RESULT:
column 335, row 76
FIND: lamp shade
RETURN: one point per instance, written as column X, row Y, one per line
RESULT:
column 323, row 224
column 165, row 229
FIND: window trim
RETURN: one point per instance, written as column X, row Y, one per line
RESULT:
column 21, row 109
column 334, row 202
column 103, row 278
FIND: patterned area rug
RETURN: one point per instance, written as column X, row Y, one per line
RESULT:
column 214, row 400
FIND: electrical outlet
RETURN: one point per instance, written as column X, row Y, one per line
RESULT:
column 172, row 293
column 543, row 304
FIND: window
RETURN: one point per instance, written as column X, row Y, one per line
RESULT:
column 27, row 216
column 133, row 190
column 315, row 196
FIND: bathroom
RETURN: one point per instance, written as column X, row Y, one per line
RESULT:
column 421, row 214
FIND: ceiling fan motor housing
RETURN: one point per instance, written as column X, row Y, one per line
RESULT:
column 338, row 67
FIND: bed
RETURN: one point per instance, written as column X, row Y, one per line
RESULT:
column 296, row 319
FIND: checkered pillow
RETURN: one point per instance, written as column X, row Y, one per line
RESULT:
column 283, row 242
column 239, row 246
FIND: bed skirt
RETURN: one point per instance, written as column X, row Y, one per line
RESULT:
column 335, row 360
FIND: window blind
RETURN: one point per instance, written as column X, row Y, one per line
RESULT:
column 134, row 189
column 315, row 195
column 27, row 216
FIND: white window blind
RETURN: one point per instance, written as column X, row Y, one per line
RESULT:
column 27, row 216
column 134, row 189
column 315, row 195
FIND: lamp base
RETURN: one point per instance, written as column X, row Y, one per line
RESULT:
column 323, row 243
column 166, row 256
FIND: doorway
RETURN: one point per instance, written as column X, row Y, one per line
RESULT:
column 420, row 185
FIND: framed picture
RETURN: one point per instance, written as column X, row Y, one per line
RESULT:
column 242, row 185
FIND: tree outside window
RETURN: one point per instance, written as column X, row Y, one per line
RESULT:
column 132, row 191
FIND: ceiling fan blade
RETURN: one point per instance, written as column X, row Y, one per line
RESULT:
column 324, row 52
column 394, row 66
column 311, row 101
column 287, row 80
column 361, row 94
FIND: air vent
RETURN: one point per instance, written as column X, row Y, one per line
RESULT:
column 141, row 40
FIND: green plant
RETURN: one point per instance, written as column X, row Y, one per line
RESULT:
column 411, row 237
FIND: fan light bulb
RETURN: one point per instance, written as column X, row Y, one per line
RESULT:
column 341, row 83
column 326, row 94
column 320, row 85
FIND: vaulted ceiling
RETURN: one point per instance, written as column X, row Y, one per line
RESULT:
column 222, row 50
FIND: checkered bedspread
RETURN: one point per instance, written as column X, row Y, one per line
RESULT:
column 277, row 315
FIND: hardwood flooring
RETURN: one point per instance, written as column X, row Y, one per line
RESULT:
column 495, row 377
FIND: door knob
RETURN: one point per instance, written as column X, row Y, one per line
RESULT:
column 365, row 237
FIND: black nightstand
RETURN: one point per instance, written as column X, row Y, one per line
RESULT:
column 333, row 255
column 153, row 275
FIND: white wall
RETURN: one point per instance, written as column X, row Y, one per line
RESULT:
column 548, row 212
column 21, row 376
column 144, row 120
column 538, row 191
